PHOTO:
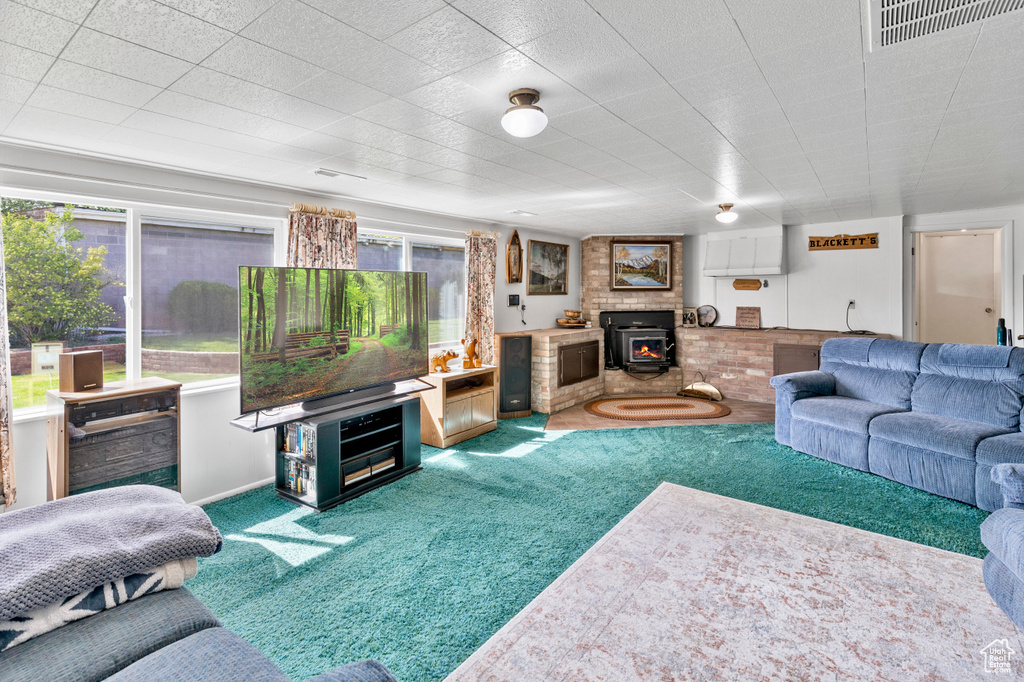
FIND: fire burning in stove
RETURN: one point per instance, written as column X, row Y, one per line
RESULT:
column 647, row 349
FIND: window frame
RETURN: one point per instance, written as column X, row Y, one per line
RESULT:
column 408, row 239
column 134, row 211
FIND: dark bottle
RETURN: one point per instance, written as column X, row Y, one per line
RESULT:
column 1001, row 332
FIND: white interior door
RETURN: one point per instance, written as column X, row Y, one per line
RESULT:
column 959, row 286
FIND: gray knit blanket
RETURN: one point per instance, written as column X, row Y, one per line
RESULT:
column 62, row 548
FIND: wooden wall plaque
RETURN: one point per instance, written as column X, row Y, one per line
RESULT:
column 748, row 317
column 842, row 242
column 746, row 284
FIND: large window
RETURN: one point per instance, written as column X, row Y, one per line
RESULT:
column 190, row 295
column 68, row 288
column 444, row 261
column 65, row 270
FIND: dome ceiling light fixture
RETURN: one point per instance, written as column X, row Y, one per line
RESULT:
column 524, row 118
column 725, row 215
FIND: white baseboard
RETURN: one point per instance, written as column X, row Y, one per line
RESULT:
column 236, row 491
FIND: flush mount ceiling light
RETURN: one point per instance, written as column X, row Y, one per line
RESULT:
column 725, row 215
column 524, row 119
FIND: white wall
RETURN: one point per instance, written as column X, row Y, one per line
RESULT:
column 541, row 311
column 818, row 284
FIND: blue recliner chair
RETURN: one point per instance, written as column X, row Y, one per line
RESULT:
column 1003, row 534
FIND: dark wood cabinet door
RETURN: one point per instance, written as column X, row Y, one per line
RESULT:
column 590, row 359
column 569, row 366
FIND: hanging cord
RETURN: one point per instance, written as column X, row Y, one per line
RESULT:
column 849, row 330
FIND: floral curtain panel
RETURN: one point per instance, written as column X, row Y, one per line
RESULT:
column 481, row 264
column 8, row 490
column 321, row 237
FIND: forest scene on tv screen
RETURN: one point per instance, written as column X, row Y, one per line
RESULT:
column 306, row 333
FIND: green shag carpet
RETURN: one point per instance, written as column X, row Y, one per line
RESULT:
column 420, row 573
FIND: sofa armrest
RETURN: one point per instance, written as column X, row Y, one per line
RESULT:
column 360, row 671
column 1010, row 478
column 817, row 382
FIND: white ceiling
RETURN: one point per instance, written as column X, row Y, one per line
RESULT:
column 659, row 109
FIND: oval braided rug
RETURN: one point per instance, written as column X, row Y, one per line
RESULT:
column 650, row 409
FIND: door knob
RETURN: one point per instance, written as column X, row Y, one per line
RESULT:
column 988, row 310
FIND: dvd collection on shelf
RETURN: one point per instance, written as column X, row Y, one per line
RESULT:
column 300, row 464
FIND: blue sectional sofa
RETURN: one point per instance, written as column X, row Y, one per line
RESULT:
column 1003, row 534
column 933, row 416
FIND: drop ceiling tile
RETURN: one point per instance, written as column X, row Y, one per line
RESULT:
column 617, row 79
column 22, row 62
column 157, row 26
column 407, row 145
column 200, row 111
column 308, row 34
column 15, row 90
column 624, row 146
column 447, row 40
column 197, row 132
column 106, row 53
column 85, row 106
column 695, row 53
column 220, row 88
column 486, row 147
column 337, row 92
column 8, row 110
column 827, row 52
column 768, row 25
column 448, row 97
column 260, row 64
column 573, row 48
column 829, row 124
column 647, row 104
column 398, row 115
column 382, row 18
column 850, row 103
column 948, row 49
column 319, row 143
column 385, row 68
column 101, row 84
column 174, row 148
column 234, row 16
column 792, row 88
column 294, row 154
column 519, row 21
column 55, row 127
column 35, row 30
column 587, row 120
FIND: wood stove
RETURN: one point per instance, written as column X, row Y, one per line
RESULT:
column 639, row 341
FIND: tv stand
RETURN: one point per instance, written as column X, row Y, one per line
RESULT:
column 328, row 458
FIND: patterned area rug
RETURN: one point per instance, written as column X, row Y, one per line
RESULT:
column 654, row 408
column 694, row 586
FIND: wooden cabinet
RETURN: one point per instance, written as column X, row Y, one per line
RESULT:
column 463, row 406
column 121, row 434
column 578, row 362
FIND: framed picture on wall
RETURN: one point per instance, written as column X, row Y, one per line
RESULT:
column 514, row 259
column 641, row 266
column 547, row 268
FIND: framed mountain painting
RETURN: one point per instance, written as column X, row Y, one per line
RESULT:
column 641, row 265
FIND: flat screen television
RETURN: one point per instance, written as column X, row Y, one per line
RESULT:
column 310, row 333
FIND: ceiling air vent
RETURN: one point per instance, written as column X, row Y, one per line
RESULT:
column 897, row 21
column 329, row 173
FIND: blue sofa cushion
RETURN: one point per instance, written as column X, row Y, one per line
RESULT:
column 978, row 391
column 102, row 644
column 212, row 655
column 954, row 437
column 876, row 370
column 1010, row 479
column 1003, row 533
column 841, row 412
column 1008, row 448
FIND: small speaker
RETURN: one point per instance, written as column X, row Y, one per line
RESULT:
column 80, row 371
column 516, row 360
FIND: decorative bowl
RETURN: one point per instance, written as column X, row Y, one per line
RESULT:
column 572, row 314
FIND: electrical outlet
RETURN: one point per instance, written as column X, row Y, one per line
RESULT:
column 852, row 305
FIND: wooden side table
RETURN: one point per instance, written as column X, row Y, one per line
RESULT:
column 124, row 433
column 464, row 406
